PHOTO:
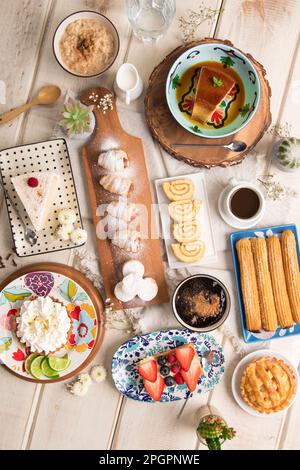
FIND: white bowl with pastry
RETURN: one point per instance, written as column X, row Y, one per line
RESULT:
column 265, row 383
column 213, row 90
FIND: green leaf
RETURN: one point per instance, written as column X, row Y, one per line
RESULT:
column 244, row 110
column 13, row 294
column 226, row 61
column 217, row 82
column 223, row 104
column 68, row 290
column 176, row 82
column 196, row 129
column 3, row 299
column 5, row 343
column 81, row 297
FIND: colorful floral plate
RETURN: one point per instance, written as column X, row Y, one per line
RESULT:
column 82, row 302
column 228, row 118
column 249, row 336
column 130, row 384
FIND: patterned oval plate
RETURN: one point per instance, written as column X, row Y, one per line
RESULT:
column 130, row 384
column 82, row 302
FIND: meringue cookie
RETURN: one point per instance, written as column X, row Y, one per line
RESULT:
column 133, row 267
column 147, row 289
column 79, row 236
column 66, row 217
column 121, row 294
column 63, row 231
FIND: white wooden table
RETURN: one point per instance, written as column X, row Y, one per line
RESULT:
column 47, row 417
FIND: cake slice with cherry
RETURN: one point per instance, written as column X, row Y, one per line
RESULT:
column 170, row 368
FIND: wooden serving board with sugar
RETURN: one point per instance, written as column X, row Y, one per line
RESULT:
column 109, row 135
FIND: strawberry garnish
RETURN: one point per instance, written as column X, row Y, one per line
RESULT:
column 155, row 389
column 192, row 376
column 148, row 369
column 184, row 355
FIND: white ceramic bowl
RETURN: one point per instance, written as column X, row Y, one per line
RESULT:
column 237, row 377
column 79, row 15
column 229, row 57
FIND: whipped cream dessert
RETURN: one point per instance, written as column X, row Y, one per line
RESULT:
column 43, row 325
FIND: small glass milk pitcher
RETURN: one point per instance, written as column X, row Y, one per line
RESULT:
column 150, row 19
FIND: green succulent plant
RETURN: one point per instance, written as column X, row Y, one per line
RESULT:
column 215, row 431
column 289, row 153
column 76, row 118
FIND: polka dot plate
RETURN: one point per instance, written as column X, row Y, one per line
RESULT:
column 52, row 156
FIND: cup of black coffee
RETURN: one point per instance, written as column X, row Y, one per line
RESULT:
column 244, row 201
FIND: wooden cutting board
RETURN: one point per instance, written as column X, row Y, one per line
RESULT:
column 166, row 129
column 108, row 135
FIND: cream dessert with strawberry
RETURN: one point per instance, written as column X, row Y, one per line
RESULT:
column 43, row 324
column 170, row 368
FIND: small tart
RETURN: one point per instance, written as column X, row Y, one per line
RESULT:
column 189, row 252
column 184, row 210
column 187, row 231
column 177, row 190
column 268, row 385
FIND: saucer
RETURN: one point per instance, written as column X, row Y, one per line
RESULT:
column 230, row 220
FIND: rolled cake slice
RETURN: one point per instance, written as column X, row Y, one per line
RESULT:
column 170, row 368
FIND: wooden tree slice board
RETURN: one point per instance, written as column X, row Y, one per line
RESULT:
column 91, row 291
column 166, row 129
column 110, row 135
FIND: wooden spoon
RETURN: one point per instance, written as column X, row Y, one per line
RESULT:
column 47, row 95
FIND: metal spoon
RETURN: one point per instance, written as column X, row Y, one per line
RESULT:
column 47, row 95
column 235, row 146
column 29, row 234
column 206, row 359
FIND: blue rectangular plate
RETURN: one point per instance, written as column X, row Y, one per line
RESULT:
column 250, row 337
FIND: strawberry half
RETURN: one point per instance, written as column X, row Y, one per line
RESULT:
column 192, row 376
column 155, row 389
column 184, row 355
column 148, row 369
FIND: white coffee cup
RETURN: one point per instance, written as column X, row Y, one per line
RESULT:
column 234, row 186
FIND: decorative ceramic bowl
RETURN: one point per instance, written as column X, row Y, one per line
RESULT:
column 238, row 107
column 209, row 288
column 88, row 15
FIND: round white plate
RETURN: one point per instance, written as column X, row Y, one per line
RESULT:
column 237, row 376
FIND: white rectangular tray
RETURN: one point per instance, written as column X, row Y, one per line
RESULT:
column 203, row 217
column 53, row 156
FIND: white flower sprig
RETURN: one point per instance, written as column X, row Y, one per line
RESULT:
column 194, row 19
column 274, row 189
column 80, row 386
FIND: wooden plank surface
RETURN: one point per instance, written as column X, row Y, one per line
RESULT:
column 41, row 417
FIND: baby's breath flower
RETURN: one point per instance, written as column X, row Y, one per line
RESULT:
column 98, row 373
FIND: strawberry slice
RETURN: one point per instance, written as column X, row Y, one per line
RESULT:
column 192, row 376
column 155, row 389
column 184, row 355
column 148, row 369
